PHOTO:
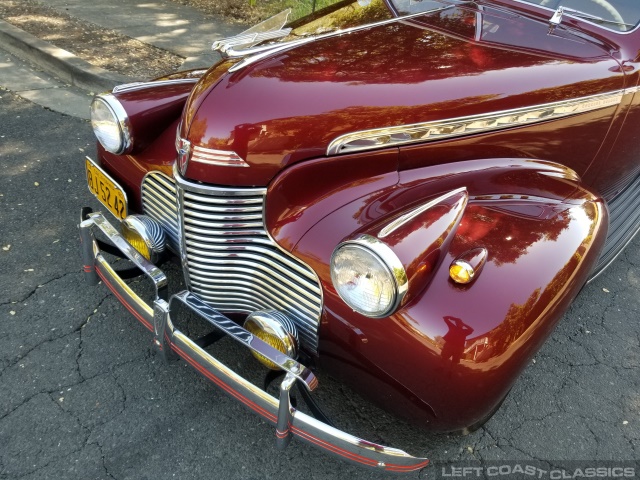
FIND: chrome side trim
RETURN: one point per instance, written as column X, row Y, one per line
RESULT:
column 407, row 217
column 210, row 156
column 462, row 126
column 130, row 87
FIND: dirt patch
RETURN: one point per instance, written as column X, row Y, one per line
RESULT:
column 99, row 46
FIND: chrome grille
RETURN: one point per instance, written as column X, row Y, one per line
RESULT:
column 232, row 263
column 159, row 202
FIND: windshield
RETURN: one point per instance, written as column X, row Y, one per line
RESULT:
column 616, row 15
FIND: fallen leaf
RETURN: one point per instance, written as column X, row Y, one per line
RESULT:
column 6, row 248
column 37, row 184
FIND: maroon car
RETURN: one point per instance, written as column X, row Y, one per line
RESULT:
column 406, row 196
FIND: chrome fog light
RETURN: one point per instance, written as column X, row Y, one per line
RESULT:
column 145, row 235
column 275, row 329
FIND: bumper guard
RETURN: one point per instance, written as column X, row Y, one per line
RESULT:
column 171, row 342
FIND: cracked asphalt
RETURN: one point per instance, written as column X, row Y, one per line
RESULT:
column 83, row 395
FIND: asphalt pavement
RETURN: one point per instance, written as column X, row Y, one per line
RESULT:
column 84, row 396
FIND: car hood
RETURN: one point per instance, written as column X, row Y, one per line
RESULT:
column 457, row 62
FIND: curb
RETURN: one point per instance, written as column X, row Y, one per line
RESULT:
column 58, row 62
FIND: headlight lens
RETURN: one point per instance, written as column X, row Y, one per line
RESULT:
column 110, row 123
column 368, row 276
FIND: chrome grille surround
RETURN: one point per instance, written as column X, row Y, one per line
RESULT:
column 230, row 260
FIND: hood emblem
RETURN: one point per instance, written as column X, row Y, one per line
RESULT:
column 184, row 149
column 222, row 158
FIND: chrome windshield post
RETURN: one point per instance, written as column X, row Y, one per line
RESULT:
column 285, row 413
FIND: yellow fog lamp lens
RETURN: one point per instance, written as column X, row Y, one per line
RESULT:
column 275, row 329
column 145, row 235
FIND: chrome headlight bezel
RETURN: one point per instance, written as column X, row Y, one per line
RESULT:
column 119, row 120
column 390, row 264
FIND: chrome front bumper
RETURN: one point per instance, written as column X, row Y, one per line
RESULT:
column 171, row 342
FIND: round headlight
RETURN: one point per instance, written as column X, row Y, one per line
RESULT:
column 368, row 276
column 110, row 124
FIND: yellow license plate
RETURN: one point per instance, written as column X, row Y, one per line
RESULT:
column 110, row 194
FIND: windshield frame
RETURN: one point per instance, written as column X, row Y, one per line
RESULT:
column 581, row 19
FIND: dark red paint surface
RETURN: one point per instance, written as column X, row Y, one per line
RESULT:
column 534, row 194
column 540, row 251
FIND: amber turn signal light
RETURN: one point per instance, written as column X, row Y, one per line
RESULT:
column 466, row 268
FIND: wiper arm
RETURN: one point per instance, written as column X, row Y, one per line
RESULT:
column 556, row 19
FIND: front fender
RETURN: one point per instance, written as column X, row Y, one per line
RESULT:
column 450, row 354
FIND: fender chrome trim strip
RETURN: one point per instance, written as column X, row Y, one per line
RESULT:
column 129, row 87
column 407, row 217
column 463, row 126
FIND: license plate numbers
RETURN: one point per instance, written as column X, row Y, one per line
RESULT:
column 106, row 190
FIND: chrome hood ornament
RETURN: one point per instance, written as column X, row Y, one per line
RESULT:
column 270, row 29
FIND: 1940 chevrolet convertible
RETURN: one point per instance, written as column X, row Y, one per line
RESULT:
column 406, row 195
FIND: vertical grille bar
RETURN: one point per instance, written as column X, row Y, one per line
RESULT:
column 232, row 262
